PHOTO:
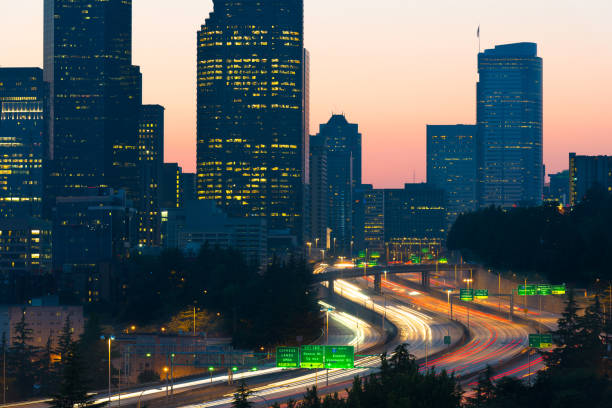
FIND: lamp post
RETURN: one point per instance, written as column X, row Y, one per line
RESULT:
column 110, row 339
column 450, row 309
column 309, row 245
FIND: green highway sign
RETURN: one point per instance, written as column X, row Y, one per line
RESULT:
column 481, row 293
column 467, row 295
column 339, row 357
column 529, row 290
column 288, row 357
column 544, row 290
column 558, row 289
column 546, row 341
column 447, row 340
column 312, row 356
column 540, row 341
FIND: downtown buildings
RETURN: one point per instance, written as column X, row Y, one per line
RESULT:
column 586, row 172
column 251, row 130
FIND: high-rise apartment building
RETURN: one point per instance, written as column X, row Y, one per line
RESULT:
column 509, row 118
column 22, row 130
column 251, row 113
column 558, row 189
column 452, row 165
column 150, row 162
column 586, row 172
column 95, row 96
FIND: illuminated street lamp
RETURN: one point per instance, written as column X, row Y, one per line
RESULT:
column 110, row 339
column 309, row 245
column 468, row 281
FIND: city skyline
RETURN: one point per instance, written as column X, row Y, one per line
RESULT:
column 392, row 118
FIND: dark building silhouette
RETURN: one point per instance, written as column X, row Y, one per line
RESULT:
column 22, row 139
column 341, row 142
column 150, row 162
column 558, row 189
column 251, row 113
column 318, row 193
column 415, row 214
column 188, row 188
column 452, row 165
column 95, row 96
column 586, row 172
column 170, row 186
column 509, row 116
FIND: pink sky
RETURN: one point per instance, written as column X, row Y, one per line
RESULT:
column 393, row 66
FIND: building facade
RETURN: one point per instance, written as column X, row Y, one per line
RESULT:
column 558, row 189
column 201, row 222
column 509, row 118
column 22, row 141
column 150, row 162
column 170, row 187
column 586, row 172
column 452, row 166
column 46, row 317
column 95, row 96
column 415, row 217
column 250, row 111
column 25, row 246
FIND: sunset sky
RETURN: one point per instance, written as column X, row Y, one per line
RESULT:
column 393, row 66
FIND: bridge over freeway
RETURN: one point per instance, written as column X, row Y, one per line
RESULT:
column 332, row 273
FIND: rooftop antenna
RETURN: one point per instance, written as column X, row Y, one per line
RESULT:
column 478, row 35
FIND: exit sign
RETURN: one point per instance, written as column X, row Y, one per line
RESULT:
column 288, row 357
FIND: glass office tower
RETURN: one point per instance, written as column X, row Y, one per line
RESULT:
column 250, row 110
column 22, row 130
column 452, row 165
column 95, row 96
column 509, row 116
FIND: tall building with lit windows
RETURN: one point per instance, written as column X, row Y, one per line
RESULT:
column 95, row 97
column 22, row 130
column 150, row 162
column 452, row 166
column 251, row 112
column 509, row 118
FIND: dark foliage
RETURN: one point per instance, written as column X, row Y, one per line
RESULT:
column 221, row 281
column 562, row 246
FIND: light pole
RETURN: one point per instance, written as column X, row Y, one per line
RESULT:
column 450, row 311
column 316, row 242
column 322, row 255
column 109, row 339
column 309, row 245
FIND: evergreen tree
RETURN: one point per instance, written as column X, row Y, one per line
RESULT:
column 484, row 391
column 65, row 340
column 565, row 337
column 94, row 351
column 241, row 397
column 22, row 355
column 47, row 378
column 73, row 384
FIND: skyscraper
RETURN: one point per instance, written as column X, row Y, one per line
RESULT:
column 150, row 162
column 509, row 116
column 452, row 165
column 22, row 130
column 95, row 96
column 250, row 111
column 586, row 172
column 341, row 141
column 170, row 186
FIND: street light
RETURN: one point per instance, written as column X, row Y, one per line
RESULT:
column 110, row 339
column 309, row 245
column 450, row 310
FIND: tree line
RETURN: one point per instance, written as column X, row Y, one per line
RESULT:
column 571, row 246
column 256, row 308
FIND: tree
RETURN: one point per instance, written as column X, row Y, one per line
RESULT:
column 64, row 342
column 22, row 355
column 241, row 397
column 184, row 321
column 94, row 351
column 73, row 385
column 47, row 378
column 484, row 391
column 566, row 338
